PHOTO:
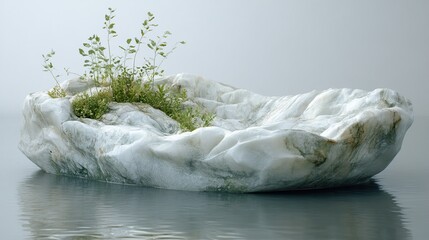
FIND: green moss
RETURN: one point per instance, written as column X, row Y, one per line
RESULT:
column 92, row 106
column 126, row 89
column 163, row 97
column 57, row 92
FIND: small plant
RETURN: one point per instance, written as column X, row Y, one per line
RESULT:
column 57, row 91
column 128, row 81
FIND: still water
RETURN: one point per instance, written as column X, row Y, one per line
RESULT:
column 36, row 205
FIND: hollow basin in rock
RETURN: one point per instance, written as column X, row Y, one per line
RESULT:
column 318, row 139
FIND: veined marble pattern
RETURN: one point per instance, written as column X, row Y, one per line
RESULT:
column 318, row 139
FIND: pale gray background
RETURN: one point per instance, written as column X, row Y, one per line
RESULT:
column 269, row 47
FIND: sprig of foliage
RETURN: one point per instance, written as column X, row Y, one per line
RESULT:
column 96, row 60
column 159, row 48
column 57, row 91
column 147, row 26
column 111, row 33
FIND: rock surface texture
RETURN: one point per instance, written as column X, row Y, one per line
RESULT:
column 314, row 140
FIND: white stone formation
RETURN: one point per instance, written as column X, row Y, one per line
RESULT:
column 318, row 139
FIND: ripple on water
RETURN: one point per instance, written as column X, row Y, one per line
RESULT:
column 58, row 207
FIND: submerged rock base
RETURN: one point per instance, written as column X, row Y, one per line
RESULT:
column 318, row 139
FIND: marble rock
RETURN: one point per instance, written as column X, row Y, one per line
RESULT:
column 257, row 143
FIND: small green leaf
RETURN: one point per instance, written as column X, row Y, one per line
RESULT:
column 129, row 40
column 82, row 52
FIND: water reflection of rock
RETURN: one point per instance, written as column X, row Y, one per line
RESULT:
column 60, row 207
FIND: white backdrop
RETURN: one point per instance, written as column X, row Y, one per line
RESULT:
column 269, row 47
